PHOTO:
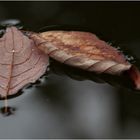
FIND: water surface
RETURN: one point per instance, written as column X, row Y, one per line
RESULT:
column 68, row 104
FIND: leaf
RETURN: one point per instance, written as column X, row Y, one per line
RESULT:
column 21, row 62
column 86, row 51
column 83, row 50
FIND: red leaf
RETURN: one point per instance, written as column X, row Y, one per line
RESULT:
column 20, row 62
column 83, row 50
column 86, row 51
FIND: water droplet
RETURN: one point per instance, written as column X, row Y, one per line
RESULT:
column 129, row 58
column 110, row 43
column 118, row 47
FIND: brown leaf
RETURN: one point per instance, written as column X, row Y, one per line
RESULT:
column 20, row 62
column 85, row 51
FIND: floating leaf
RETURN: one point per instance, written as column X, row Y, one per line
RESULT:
column 86, row 51
column 83, row 50
column 21, row 62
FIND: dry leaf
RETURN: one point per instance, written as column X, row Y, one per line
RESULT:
column 20, row 62
column 85, row 51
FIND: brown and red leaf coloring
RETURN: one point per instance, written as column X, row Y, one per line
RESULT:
column 21, row 62
column 86, row 51
column 83, row 50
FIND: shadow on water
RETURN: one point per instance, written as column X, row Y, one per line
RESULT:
column 78, row 74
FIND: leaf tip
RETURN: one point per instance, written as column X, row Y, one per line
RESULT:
column 134, row 74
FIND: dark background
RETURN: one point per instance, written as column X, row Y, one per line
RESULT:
column 62, row 107
column 115, row 19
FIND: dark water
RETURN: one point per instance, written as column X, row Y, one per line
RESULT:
column 69, row 103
